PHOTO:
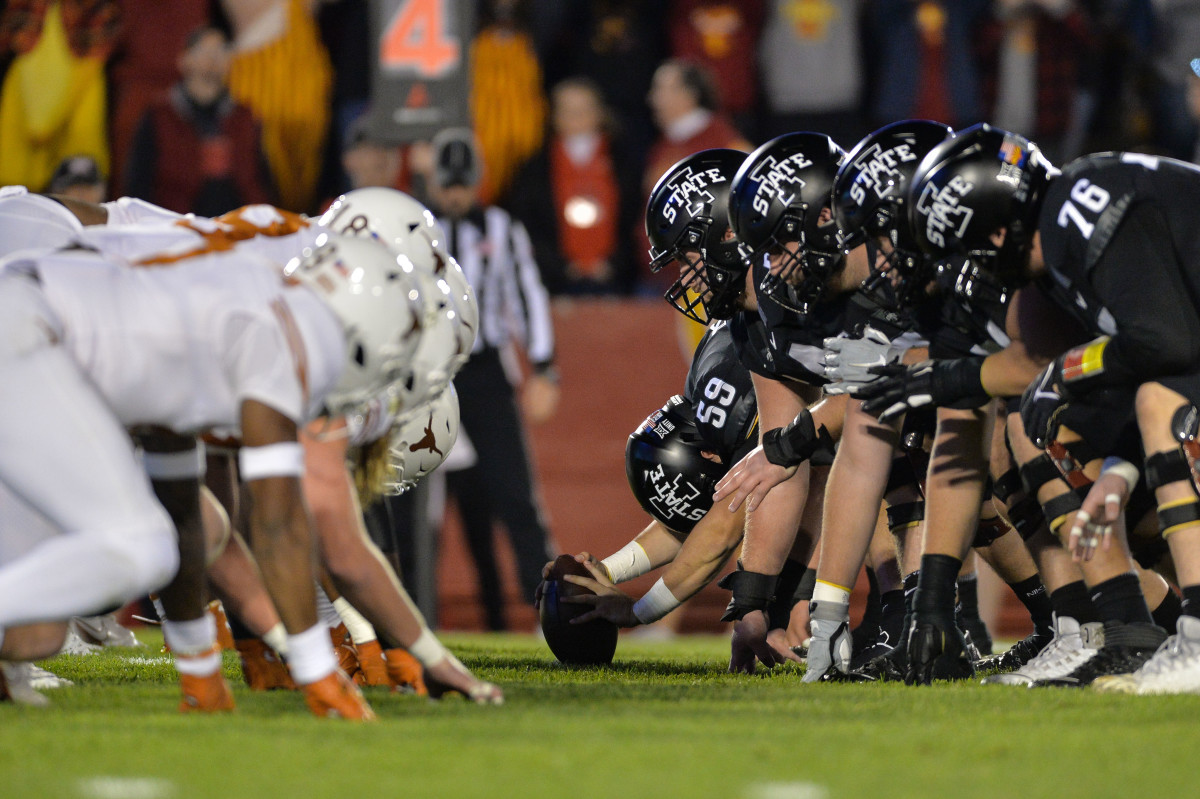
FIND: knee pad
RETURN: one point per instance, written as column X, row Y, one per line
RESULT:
column 905, row 515
column 149, row 556
column 987, row 531
column 1026, row 517
column 1178, row 466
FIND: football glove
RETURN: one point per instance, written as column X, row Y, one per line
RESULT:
column 848, row 361
column 797, row 442
column 937, row 383
column 1043, row 403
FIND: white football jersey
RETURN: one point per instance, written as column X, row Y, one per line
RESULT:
column 182, row 347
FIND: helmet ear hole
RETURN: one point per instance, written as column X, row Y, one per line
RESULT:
column 360, row 355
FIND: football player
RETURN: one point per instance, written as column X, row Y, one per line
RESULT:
column 993, row 195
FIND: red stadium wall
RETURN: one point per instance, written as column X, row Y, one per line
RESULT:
column 619, row 360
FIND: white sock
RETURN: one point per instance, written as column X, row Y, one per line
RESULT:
column 310, row 655
column 326, row 612
column 194, row 645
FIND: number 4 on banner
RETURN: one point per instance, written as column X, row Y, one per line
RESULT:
column 416, row 38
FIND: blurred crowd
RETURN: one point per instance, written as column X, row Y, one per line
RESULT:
column 577, row 105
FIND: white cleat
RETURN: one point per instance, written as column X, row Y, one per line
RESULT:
column 104, row 631
column 1072, row 646
column 74, row 645
column 43, row 680
column 15, row 685
column 1173, row 669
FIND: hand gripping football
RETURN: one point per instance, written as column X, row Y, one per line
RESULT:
column 589, row 644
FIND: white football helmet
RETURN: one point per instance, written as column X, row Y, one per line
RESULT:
column 379, row 304
column 391, row 216
column 408, row 227
column 421, row 444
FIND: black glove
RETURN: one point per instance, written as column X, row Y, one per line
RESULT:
column 937, row 383
column 797, row 442
column 1043, row 403
column 751, row 591
column 936, row 650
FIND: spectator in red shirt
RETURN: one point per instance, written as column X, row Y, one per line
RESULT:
column 197, row 150
column 722, row 35
column 577, row 195
column 684, row 101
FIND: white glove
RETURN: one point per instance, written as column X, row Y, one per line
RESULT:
column 848, row 361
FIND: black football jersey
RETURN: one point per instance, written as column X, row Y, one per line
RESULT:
column 1121, row 238
column 719, row 387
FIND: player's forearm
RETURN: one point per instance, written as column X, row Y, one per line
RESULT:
column 771, row 528
column 705, row 552
column 1008, row 372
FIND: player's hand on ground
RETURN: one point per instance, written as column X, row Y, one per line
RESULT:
column 1092, row 528
column 779, row 640
column 449, row 675
column 607, row 601
column 750, row 480
column 749, row 644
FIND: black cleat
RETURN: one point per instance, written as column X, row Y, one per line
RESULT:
column 1017, row 655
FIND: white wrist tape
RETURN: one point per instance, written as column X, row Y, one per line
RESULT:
column 188, row 464
column 627, row 562
column 359, row 628
column 1124, row 469
column 427, row 649
column 658, row 602
column 285, row 459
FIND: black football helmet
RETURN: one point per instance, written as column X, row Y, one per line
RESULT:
column 777, row 198
column 970, row 186
column 688, row 212
column 671, row 480
column 870, row 194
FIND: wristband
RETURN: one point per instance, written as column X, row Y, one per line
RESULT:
column 657, row 602
column 285, row 459
column 1123, row 469
column 751, row 591
column 627, row 562
column 958, row 382
column 797, row 442
column 188, row 464
column 427, row 649
column 792, row 577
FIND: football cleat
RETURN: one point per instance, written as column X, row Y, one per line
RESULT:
column 1126, row 648
column 74, row 645
column 224, row 634
column 16, row 687
column 1073, row 645
column 209, row 693
column 335, row 696
column 372, row 667
column 1016, row 655
column 404, row 673
column 262, row 668
column 42, row 680
column 1173, row 669
column 104, row 631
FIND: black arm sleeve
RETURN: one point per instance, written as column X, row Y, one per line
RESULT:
column 1139, row 278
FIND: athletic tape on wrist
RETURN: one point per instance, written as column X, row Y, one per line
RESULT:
column 626, row 563
column 285, row 459
column 656, row 603
column 1123, row 469
column 189, row 464
column 427, row 649
column 359, row 628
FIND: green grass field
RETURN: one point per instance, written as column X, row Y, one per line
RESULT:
column 664, row 721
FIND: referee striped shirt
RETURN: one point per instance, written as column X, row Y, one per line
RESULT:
column 497, row 258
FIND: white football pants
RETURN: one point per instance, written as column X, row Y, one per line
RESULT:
column 103, row 538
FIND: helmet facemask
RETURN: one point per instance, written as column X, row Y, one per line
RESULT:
column 708, row 286
column 819, row 257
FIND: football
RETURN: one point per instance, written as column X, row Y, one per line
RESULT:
column 590, row 644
